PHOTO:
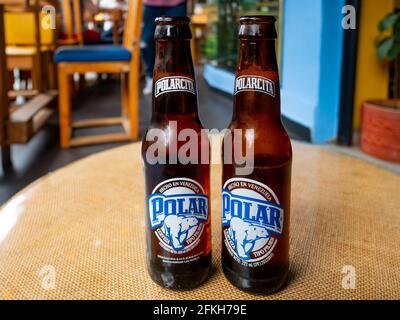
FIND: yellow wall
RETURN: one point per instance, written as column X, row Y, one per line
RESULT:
column 372, row 78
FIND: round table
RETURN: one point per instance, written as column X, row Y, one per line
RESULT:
column 78, row 233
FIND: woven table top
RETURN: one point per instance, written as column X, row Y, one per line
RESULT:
column 78, row 233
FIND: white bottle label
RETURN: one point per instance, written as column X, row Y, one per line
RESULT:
column 252, row 220
column 174, row 84
column 178, row 210
column 255, row 83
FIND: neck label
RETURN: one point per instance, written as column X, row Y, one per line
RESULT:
column 174, row 84
column 255, row 83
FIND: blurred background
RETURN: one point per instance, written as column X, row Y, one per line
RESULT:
column 339, row 66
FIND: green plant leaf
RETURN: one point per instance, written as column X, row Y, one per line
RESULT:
column 396, row 33
column 394, row 51
column 396, row 30
column 388, row 22
column 384, row 47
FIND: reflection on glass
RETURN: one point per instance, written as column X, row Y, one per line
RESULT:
column 221, row 46
column 9, row 215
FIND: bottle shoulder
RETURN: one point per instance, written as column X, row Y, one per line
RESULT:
column 264, row 140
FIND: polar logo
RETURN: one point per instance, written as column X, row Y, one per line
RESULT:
column 245, row 235
column 177, row 214
column 252, row 221
column 177, row 229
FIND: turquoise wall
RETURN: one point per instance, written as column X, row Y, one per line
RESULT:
column 311, row 65
column 301, row 53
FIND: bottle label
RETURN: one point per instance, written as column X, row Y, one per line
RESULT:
column 174, row 84
column 255, row 83
column 178, row 210
column 252, row 220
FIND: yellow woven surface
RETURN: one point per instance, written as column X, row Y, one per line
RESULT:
column 87, row 222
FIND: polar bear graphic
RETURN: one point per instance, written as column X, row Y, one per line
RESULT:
column 245, row 236
column 176, row 229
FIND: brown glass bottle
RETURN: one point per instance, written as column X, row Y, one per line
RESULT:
column 256, row 207
column 178, row 230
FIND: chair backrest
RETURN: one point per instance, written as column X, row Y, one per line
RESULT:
column 133, row 24
column 17, row 36
column 33, row 9
column 22, row 23
column 72, row 18
column 14, row 2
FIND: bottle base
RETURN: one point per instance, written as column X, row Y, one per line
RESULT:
column 188, row 277
column 267, row 286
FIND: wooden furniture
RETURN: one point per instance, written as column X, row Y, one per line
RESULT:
column 29, row 48
column 4, row 104
column 86, row 222
column 124, row 60
column 25, row 44
column 19, row 125
column 72, row 21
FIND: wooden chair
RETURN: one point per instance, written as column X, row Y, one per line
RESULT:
column 124, row 60
column 24, row 44
column 19, row 125
column 72, row 21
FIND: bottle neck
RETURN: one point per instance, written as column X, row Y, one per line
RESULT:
column 257, row 54
column 174, row 86
column 257, row 89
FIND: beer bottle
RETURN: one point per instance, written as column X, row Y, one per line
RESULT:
column 256, row 206
column 175, row 153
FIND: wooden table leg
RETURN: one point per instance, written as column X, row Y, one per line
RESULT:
column 124, row 94
column 115, row 34
column 133, row 92
column 4, row 103
column 64, row 104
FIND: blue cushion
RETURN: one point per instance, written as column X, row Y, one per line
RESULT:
column 94, row 53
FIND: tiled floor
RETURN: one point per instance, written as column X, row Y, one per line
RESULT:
column 43, row 155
